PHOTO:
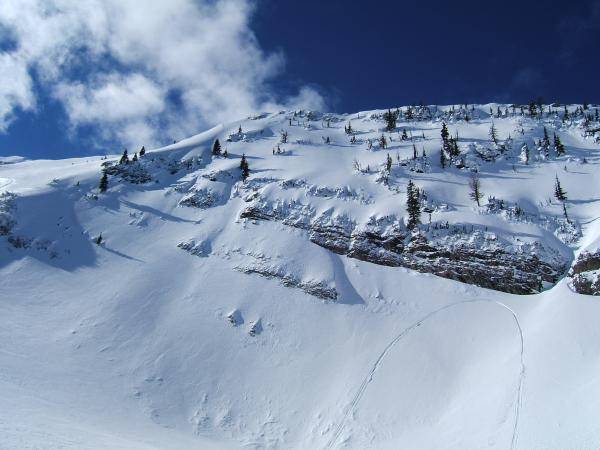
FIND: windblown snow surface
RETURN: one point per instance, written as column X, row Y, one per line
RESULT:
column 193, row 327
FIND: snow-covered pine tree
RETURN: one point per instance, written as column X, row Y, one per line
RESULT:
column 390, row 118
column 404, row 135
column 558, row 146
column 525, row 154
column 103, row 186
column 442, row 158
column 382, row 141
column 244, row 168
column 445, row 133
column 559, row 192
column 388, row 163
column 216, row 148
column 142, row 151
column 413, row 206
column 532, row 109
column 493, row 134
column 135, row 157
column 546, row 141
column 124, row 158
column 475, row 185
column 453, row 147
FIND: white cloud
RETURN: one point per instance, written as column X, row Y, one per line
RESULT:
column 111, row 98
column 116, row 63
column 15, row 88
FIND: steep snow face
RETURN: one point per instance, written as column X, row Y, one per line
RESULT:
column 283, row 312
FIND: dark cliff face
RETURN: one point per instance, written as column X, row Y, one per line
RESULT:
column 586, row 279
column 492, row 267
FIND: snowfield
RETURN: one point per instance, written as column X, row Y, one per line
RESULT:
column 296, row 310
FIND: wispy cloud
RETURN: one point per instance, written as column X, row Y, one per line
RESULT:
column 117, row 65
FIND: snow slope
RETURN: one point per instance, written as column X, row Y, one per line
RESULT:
column 191, row 327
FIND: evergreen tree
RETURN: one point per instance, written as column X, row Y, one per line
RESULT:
column 244, row 168
column 390, row 119
column 143, row 151
column 413, row 206
column 405, row 136
column 493, row 134
column 216, row 148
column 103, row 186
column 284, row 137
column 225, row 153
column 240, row 130
column 475, row 185
column 532, row 109
column 558, row 146
column 453, row 147
column 99, row 239
column 349, row 129
column 546, row 141
column 388, row 163
column 383, row 141
column 445, row 133
column 415, row 152
column 559, row 192
column 525, row 154
column 124, row 158
column 135, row 158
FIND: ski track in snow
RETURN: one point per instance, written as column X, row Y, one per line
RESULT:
column 5, row 182
column 367, row 380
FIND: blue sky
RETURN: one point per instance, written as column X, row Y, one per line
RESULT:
column 95, row 76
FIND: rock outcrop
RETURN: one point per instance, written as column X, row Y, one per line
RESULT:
column 586, row 273
column 464, row 254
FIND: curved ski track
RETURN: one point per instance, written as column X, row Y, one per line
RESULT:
column 367, row 380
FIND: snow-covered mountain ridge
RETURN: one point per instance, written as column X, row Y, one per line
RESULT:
column 282, row 311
